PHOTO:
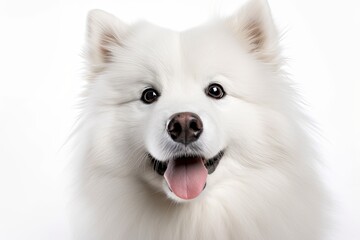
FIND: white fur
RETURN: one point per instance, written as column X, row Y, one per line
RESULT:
column 265, row 186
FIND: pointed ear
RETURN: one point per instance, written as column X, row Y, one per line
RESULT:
column 105, row 32
column 253, row 25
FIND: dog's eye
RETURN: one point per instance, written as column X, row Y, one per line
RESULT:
column 215, row 91
column 149, row 95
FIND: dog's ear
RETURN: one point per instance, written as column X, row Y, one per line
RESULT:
column 105, row 33
column 253, row 24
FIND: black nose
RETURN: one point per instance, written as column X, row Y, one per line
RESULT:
column 185, row 127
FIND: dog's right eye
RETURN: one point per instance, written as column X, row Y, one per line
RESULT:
column 149, row 95
column 215, row 91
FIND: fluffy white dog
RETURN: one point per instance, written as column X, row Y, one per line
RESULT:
column 193, row 135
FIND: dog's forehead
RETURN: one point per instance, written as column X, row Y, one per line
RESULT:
column 210, row 48
column 154, row 42
column 200, row 50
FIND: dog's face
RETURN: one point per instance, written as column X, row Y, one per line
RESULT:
column 181, row 111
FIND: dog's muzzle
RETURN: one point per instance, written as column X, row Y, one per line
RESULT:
column 186, row 171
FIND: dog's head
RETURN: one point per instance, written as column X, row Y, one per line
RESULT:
column 183, row 110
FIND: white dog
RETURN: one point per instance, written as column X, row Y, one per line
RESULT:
column 193, row 135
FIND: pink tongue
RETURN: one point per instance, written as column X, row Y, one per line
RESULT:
column 186, row 177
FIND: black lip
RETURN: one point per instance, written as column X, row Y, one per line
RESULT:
column 210, row 164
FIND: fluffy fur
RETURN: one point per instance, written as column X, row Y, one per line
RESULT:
column 264, row 187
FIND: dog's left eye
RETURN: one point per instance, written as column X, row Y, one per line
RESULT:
column 149, row 95
column 215, row 90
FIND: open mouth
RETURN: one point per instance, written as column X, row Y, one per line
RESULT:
column 186, row 175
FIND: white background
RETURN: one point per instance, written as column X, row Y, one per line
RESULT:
column 40, row 79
